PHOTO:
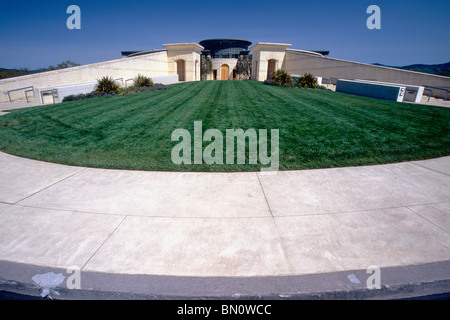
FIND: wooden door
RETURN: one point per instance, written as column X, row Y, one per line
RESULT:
column 271, row 68
column 224, row 72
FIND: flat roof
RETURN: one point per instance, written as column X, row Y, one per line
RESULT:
column 226, row 39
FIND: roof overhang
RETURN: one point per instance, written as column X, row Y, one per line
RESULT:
column 270, row 46
column 183, row 46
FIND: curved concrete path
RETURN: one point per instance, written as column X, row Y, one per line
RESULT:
column 225, row 234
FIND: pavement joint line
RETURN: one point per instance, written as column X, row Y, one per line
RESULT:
column 51, row 185
column 283, row 247
column 63, row 210
column 107, row 238
column 222, row 218
column 136, row 215
column 428, row 220
column 422, row 166
column 359, row 210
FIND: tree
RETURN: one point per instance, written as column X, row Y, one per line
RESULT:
column 205, row 67
column 244, row 67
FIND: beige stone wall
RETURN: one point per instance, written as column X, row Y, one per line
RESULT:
column 217, row 65
column 151, row 65
column 262, row 53
column 190, row 53
column 297, row 62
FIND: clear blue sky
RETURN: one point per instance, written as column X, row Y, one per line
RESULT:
column 34, row 33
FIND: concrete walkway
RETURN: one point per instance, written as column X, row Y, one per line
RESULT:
column 293, row 234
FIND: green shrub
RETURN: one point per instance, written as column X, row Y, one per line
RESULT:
column 121, row 91
column 81, row 96
column 307, row 81
column 136, row 89
column 282, row 78
column 142, row 81
column 106, row 85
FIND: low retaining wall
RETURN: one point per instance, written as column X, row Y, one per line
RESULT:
column 417, row 91
column 48, row 95
column 61, row 92
column 166, row 79
column 151, row 65
column 299, row 63
column 372, row 89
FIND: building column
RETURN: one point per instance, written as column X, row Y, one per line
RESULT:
column 262, row 53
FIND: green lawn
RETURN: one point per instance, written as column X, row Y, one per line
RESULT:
column 318, row 129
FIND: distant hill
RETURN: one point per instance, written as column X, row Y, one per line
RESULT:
column 438, row 69
column 11, row 73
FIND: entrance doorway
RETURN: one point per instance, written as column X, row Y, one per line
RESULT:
column 271, row 68
column 181, row 70
column 224, row 72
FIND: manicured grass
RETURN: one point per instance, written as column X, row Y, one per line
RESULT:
column 317, row 128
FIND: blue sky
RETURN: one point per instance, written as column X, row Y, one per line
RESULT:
column 34, row 34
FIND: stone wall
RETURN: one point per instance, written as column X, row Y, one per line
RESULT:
column 299, row 63
column 152, row 65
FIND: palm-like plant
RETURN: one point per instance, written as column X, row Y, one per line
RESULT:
column 281, row 77
column 307, row 81
column 106, row 85
column 143, row 81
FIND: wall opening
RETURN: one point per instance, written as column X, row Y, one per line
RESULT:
column 271, row 66
column 255, row 70
column 181, row 70
column 197, row 71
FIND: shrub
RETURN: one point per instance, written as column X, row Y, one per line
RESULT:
column 130, row 90
column 142, row 81
column 282, row 78
column 307, row 81
column 156, row 87
column 135, row 89
column 106, row 85
column 81, row 96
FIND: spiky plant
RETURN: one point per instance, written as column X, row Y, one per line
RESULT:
column 281, row 77
column 143, row 81
column 307, row 81
column 106, row 85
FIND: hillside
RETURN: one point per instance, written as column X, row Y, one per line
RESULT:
column 11, row 73
column 442, row 69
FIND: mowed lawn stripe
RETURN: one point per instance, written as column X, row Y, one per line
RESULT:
column 317, row 128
